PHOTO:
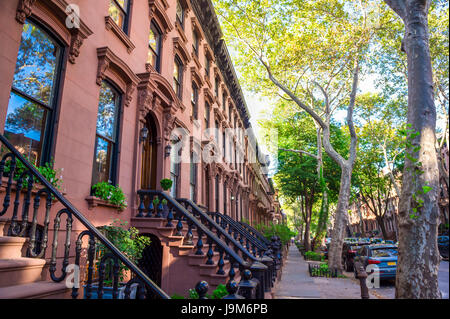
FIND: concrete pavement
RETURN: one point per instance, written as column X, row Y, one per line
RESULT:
column 296, row 282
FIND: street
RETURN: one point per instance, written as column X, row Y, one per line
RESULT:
column 387, row 288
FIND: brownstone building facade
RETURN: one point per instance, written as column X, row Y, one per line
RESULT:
column 117, row 91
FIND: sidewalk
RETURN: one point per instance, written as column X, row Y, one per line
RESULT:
column 296, row 282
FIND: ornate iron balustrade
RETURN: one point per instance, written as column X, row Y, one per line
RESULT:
column 153, row 203
column 266, row 254
column 252, row 243
column 19, row 227
column 220, row 231
column 255, row 233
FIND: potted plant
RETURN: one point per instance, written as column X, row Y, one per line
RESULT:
column 166, row 185
column 131, row 244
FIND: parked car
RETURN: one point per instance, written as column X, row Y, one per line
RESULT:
column 443, row 246
column 349, row 251
column 383, row 256
column 350, row 240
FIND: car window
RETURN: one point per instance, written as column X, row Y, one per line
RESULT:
column 384, row 252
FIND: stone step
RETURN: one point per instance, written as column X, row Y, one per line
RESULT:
column 36, row 290
column 20, row 271
column 12, row 247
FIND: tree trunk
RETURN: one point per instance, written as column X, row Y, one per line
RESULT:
column 418, row 260
column 380, row 221
column 337, row 234
column 306, row 240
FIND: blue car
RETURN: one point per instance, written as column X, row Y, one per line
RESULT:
column 443, row 246
column 381, row 255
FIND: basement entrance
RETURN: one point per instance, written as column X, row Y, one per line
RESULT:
column 151, row 262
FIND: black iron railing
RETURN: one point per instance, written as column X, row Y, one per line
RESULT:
column 261, row 266
column 255, row 233
column 252, row 243
column 19, row 225
column 153, row 203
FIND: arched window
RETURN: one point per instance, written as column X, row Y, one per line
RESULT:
column 31, row 110
column 106, row 140
column 155, row 44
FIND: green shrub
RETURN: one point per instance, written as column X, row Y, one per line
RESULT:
column 50, row 174
column 218, row 293
column 128, row 241
column 280, row 230
column 112, row 194
column 312, row 255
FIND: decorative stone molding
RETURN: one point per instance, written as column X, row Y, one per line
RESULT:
column 180, row 48
column 60, row 12
column 195, row 76
column 24, row 10
column 106, row 60
column 158, row 12
column 112, row 26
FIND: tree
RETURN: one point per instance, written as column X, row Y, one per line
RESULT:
column 418, row 261
column 297, row 49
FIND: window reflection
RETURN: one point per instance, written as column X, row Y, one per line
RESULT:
column 106, row 137
column 33, row 93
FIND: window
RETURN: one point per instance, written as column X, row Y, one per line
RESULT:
column 207, row 65
column 177, row 76
column 224, row 144
column 32, row 102
column 216, row 86
column 224, row 101
column 154, row 44
column 217, row 193
column 217, row 133
column 118, row 11
column 225, row 198
column 174, row 168
column 105, row 153
column 180, row 14
column 207, row 115
column 194, row 101
column 193, row 177
column 195, row 43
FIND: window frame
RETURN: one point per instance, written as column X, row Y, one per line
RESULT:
column 194, row 101
column 50, row 130
column 125, row 11
column 154, row 25
column 114, row 165
column 179, row 81
column 181, row 19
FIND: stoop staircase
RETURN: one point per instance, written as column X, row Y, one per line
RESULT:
column 27, row 269
column 198, row 245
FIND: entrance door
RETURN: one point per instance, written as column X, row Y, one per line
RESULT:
column 149, row 159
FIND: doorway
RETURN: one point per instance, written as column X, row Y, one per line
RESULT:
column 149, row 156
column 151, row 262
